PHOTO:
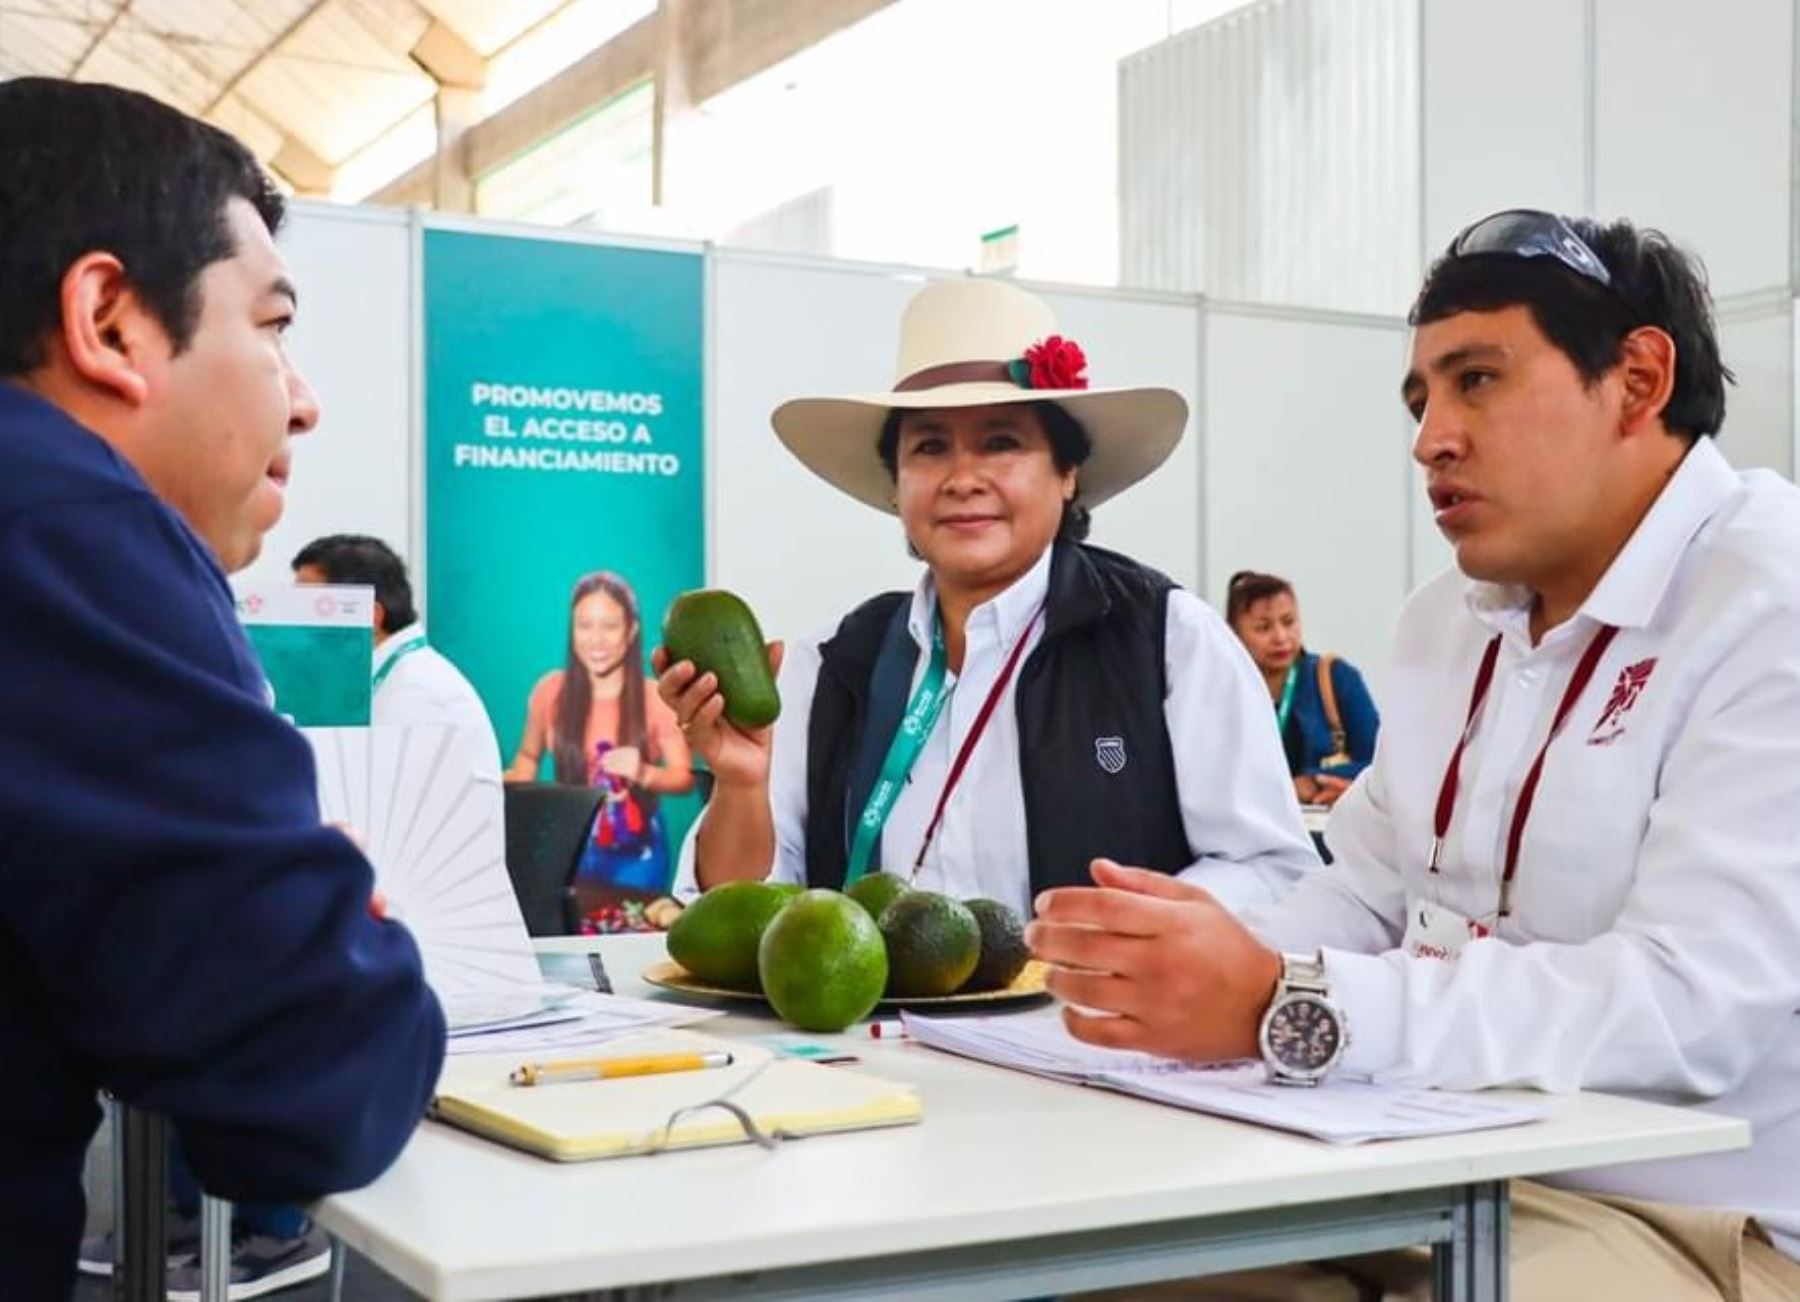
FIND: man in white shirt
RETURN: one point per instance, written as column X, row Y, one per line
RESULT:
column 415, row 684
column 1575, row 862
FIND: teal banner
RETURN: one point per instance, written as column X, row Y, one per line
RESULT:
column 564, row 485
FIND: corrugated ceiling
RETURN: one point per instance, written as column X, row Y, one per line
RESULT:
column 312, row 81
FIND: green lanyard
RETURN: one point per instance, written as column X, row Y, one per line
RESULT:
column 921, row 717
column 416, row 642
column 1287, row 696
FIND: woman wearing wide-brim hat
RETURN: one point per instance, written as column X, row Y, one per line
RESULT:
column 1036, row 703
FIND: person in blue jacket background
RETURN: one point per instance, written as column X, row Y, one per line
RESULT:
column 1326, row 746
column 176, row 925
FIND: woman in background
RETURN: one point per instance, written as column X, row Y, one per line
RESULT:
column 1322, row 707
column 603, row 729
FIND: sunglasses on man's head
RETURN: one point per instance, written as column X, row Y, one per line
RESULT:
column 1527, row 233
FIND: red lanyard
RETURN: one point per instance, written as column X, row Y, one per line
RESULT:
column 1446, row 801
column 975, row 731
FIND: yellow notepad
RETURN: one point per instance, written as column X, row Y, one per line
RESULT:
column 583, row 1120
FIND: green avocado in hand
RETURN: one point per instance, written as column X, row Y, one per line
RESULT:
column 717, row 632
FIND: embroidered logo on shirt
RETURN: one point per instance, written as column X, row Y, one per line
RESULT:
column 1625, row 693
column 1110, row 753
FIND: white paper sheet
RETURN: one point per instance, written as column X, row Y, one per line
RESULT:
column 1340, row 1110
column 585, row 1018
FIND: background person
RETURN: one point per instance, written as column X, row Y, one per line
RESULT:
column 1323, row 710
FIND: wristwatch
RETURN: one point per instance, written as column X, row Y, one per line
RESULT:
column 1303, row 1033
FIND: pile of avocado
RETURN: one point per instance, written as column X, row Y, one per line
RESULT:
column 823, row 958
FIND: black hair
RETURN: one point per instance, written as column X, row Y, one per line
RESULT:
column 358, row 558
column 91, row 167
column 1070, row 446
column 1654, row 283
column 1246, row 588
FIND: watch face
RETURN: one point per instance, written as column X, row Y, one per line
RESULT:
column 1304, row 1035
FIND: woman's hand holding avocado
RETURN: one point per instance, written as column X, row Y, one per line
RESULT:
column 736, row 756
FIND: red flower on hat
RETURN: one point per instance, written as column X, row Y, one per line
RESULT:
column 1055, row 363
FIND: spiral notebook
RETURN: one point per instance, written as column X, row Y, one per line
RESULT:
column 770, row 1099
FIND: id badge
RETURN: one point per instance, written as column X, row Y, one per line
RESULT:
column 1433, row 931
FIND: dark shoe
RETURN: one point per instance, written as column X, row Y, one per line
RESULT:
column 184, row 1241
column 259, row 1265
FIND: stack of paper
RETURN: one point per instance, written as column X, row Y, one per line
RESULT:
column 571, row 1019
column 1341, row 1110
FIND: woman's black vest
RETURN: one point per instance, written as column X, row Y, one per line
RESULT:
column 1094, row 753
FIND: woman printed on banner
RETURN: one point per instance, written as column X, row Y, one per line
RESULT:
column 604, row 728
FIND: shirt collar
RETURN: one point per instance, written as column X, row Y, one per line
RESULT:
column 412, row 633
column 1004, row 614
column 1634, row 585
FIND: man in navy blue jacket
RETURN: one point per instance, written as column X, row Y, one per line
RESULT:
column 175, row 924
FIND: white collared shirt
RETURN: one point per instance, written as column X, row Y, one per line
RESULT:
column 1237, row 801
column 1654, row 943
column 425, row 689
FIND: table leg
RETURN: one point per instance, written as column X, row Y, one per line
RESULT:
column 215, row 1249
column 1471, row 1265
column 339, row 1256
column 140, row 1221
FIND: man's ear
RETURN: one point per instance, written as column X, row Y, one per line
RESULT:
column 381, row 624
column 106, row 330
column 1647, row 367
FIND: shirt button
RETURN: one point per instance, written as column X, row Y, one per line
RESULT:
column 1527, row 677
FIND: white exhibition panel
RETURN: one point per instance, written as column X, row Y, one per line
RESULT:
column 799, row 551
column 1307, row 469
column 1134, row 340
column 1693, row 126
column 1504, row 106
column 353, row 341
column 1759, row 409
column 802, row 553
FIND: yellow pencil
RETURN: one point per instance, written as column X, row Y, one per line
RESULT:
column 544, row 1073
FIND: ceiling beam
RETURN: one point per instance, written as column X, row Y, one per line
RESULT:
column 449, row 59
column 309, row 174
column 720, row 43
column 723, row 42
column 612, row 69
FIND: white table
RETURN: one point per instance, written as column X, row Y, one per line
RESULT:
column 1012, row 1187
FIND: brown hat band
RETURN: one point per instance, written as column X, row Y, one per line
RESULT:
column 935, row 377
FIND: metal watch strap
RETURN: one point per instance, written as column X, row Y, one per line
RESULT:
column 1303, row 972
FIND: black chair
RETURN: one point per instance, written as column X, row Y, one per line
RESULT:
column 546, row 824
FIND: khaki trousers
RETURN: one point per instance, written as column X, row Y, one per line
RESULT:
column 1563, row 1246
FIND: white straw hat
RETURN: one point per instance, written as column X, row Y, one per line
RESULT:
column 972, row 343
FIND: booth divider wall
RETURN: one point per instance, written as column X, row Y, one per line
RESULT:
column 354, row 343
column 1309, row 472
